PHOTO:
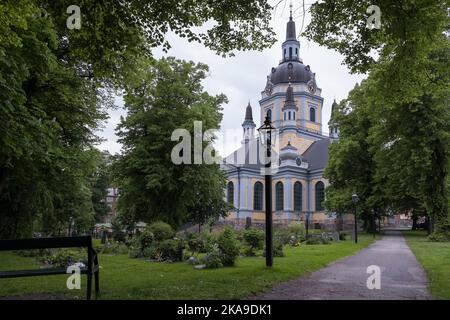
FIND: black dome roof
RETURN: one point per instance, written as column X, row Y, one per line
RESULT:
column 291, row 71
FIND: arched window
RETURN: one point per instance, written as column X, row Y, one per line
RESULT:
column 298, row 196
column 293, row 115
column 279, row 197
column 269, row 114
column 289, row 115
column 290, row 52
column 230, row 193
column 258, row 196
column 320, row 195
column 296, row 51
column 312, row 114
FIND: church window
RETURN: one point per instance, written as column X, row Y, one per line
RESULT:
column 230, row 193
column 298, row 195
column 293, row 116
column 290, row 52
column 289, row 115
column 269, row 114
column 312, row 114
column 296, row 51
column 285, row 116
column 258, row 196
column 279, row 197
column 320, row 195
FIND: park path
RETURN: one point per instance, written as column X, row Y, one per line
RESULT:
column 402, row 278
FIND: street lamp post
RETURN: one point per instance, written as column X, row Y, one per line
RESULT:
column 266, row 139
column 355, row 200
column 307, row 225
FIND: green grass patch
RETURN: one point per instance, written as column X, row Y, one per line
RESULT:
column 125, row 278
column 435, row 259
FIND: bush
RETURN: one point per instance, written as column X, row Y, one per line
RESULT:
column 254, row 239
column 277, row 249
column 213, row 258
column 200, row 242
column 65, row 257
column 343, row 236
column 441, row 234
column 146, row 239
column 161, row 231
column 114, row 248
column 171, row 250
column 322, row 239
column 134, row 252
column 150, row 252
column 228, row 246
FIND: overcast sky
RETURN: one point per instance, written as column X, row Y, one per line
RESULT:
column 243, row 77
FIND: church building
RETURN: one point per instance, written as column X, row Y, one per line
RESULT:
column 292, row 100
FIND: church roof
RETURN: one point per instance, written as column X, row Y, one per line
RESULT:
column 248, row 112
column 317, row 154
column 291, row 71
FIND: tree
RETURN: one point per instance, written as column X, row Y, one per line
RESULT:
column 101, row 181
column 168, row 97
column 408, row 94
column 56, row 83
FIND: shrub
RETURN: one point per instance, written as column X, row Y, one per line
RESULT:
column 213, row 258
column 171, row 250
column 228, row 246
column 441, row 234
column 277, row 249
column 134, row 252
column 150, row 252
column 322, row 239
column 146, row 239
column 343, row 236
column 254, row 239
column 161, row 231
column 200, row 242
column 65, row 257
column 114, row 248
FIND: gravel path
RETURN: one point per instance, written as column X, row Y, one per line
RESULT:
column 402, row 278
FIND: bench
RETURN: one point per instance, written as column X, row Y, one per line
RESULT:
column 92, row 268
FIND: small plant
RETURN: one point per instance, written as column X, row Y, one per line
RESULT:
column 254, row 239
column 161, row 231
column 343, row 236
column 171, row 250
column 146, row 239
column 228, row 246
column 441, row 234
column 213, row 258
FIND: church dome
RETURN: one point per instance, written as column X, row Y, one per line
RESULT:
column 291, row 71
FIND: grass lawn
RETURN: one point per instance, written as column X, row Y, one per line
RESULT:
column 125, row 278
column 435, row 259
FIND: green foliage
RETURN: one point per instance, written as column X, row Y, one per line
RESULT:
column 168, row 97
column 214, row 258
column 146, row 238
column 117, row 231
column 160, row 230
column 343, row 236
column 200, row 242
column 441, row 234
column 394, row 145
column 228, row 246
column 322, row 239
column 277, row 250
column 171, row 250
column 114, row 248
column 254, row 239
column 55, row 86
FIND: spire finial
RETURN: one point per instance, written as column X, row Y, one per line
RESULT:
column 290, row 8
